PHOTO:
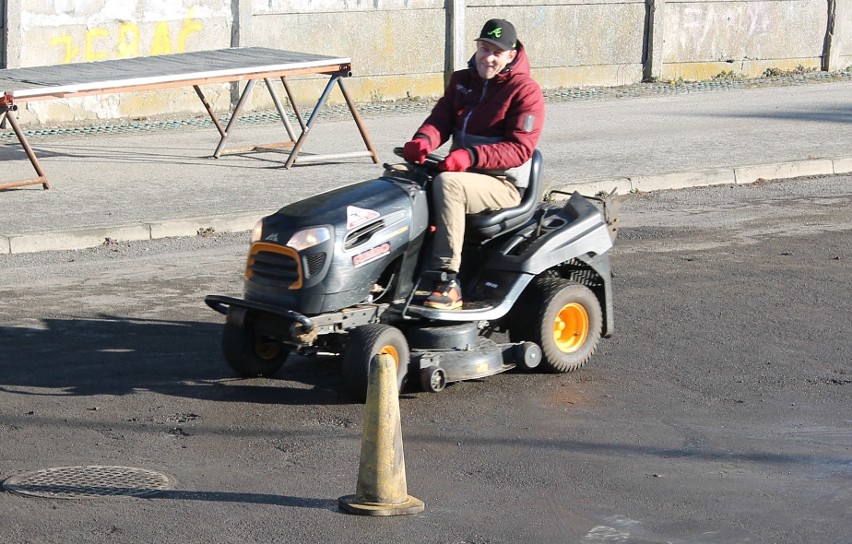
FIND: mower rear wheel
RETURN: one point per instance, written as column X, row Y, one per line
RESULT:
column 251, row 354
column 365, row 344
column 568, row 328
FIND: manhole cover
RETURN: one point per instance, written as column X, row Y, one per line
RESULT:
column 89, row 482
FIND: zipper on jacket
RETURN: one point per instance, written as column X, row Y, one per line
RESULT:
column 467, row 117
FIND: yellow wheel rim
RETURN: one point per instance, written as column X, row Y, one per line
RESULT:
column 390, row 350
column 571, row 327
column 265, row 349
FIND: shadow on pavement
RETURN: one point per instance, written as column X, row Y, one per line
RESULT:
column 833, row 114
column 118, row 356
column 247, row 498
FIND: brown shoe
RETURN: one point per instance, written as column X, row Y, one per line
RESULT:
column 445, row 296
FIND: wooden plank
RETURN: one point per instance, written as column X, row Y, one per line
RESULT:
column 160, row 71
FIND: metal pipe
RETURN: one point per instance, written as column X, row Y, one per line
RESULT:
column 304, row 159
column 293, row 103
column 281, row 113
column 234, row 116
column 320, row 103
column 209, row 109
column 358, row 121
column 42, row 178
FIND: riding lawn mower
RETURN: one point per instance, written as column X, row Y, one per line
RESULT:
column 337, row 274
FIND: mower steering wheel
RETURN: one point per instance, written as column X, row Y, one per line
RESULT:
column 429, row 166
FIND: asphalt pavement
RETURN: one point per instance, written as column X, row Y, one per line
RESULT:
column 717, row 413
column 148, row 179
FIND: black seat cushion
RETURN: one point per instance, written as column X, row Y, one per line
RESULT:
column 486, row 225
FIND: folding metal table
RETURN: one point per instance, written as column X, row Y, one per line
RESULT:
column 184, row 69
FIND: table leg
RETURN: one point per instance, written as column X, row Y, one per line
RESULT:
column 281, row 113
column 9, row 115
column 294, row 154
column 235, row 115
column 358, row 121
column 293, row 103
column 209, row 109
column 307, row 129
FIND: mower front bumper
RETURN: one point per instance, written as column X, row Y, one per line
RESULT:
column 223, row 304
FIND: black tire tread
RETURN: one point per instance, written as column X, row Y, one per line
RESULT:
column 538, row 328
column 238, row 348
column 360, row 350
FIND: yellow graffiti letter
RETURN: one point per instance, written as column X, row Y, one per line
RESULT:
column 162, row 39
column 187, row 27
column 91, row 36
column 128, row 40
column 67, row 43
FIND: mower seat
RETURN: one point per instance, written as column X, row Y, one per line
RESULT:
column 486, row 225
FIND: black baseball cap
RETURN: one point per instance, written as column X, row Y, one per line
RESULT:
column 500, row 33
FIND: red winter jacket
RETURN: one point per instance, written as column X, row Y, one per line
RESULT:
column 498, row 120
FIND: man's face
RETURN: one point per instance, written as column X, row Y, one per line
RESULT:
column 490, row 59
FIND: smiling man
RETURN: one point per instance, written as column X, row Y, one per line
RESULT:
column 494, row 112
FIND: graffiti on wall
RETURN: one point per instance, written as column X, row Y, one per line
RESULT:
column 724, row 30
column 126, row 40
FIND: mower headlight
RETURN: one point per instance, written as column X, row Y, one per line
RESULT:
column 257, row 232
column 309, row 238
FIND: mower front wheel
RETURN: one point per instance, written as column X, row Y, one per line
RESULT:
column 568, row 327
column 251, row 354
column 365, row 344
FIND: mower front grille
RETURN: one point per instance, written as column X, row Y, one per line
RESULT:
column 271, row 264
column 315, row 263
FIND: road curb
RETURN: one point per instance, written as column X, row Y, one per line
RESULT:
column 739, row 175
column 77, row 238
column 96, row 236
column 843, row 166
column 198, row 225
column 813, row 167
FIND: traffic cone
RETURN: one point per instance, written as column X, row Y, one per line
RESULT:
column 381, row 489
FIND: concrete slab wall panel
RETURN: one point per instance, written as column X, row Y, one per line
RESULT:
column 395, row 53
column 577, row 43
column 841, row 44
column 68, row 31
column 706, row 37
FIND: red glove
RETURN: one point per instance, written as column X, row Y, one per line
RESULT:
column 416, row 150
column 457, row 161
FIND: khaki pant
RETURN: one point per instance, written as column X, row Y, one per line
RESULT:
column 456, row 194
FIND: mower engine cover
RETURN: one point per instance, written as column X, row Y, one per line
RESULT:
column 326, row 252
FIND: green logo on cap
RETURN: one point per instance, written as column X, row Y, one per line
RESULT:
column 496, row 32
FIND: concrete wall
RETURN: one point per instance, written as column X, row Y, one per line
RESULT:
column 840, row 38
column 401, row 49
column 65, row 31
column 574, row 43
column 397, row 50
column 405, row 48
column 2, row 32
column 68, row 31
column 706, row 37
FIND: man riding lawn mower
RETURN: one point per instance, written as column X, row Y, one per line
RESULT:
column 340, row 272
column 337, row 274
